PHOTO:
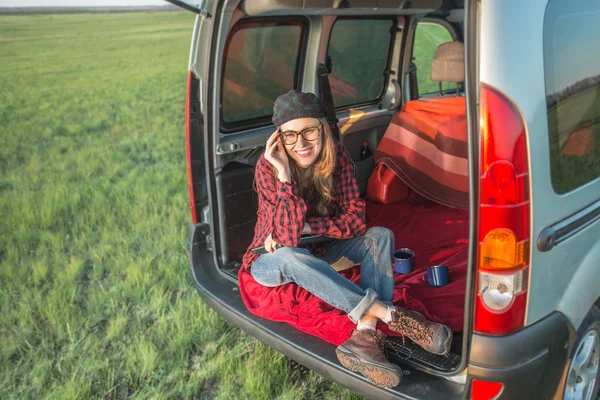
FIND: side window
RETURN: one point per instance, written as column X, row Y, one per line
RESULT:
column 261, row 62
column 428, row 36
column 572, row 73
column 359, row 51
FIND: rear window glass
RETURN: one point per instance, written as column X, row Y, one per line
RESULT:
column 572, row 72
column 261, row 63
column 359, row 51
column 428, row 36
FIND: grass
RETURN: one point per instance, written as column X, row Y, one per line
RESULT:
column 97, row 300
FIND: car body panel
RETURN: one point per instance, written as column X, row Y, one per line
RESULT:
column 512, row 61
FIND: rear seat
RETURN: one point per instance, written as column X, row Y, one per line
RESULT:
column 426, row 142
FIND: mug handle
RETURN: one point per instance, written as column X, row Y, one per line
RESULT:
column 425, row 277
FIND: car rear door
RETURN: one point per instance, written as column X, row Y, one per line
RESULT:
column 195, row 141
column 220, row 192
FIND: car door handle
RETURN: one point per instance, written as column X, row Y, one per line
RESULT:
column 562, row 230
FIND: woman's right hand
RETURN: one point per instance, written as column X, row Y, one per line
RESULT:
column 275, row 154
column 270, row 244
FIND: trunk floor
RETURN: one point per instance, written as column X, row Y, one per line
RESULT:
column 401, row 352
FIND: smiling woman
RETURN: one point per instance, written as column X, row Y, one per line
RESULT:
column 306, row 185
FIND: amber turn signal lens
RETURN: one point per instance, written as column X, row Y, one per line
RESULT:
column 500, row 250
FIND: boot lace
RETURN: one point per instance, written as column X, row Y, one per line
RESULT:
column 380, row 342
column 410, row 327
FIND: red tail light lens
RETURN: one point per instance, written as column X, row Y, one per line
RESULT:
column 504, row 217
column 188, row 149
column 483, row 390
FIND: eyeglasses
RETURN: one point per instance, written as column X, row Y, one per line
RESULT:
column 309, row 134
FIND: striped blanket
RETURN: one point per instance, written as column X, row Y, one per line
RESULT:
column 426, row 146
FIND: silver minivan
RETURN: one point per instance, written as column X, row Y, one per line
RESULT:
column 531, row 326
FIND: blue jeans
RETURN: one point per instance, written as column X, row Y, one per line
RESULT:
column 374, row 251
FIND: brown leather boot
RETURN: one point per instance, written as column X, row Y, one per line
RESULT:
column 433, row 337
column 364, row 353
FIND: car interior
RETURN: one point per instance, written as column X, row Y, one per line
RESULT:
column 406, row 102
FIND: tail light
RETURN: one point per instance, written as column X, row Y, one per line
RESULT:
column 504, row 217
column 188, row 147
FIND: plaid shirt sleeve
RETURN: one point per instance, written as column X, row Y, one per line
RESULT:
column 350, row 219
column 282, row 202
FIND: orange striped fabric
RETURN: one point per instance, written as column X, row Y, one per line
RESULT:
column 426, row 146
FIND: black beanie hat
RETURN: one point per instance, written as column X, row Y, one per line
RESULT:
column 295, row 104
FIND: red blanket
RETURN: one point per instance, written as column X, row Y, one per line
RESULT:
column 437, row 234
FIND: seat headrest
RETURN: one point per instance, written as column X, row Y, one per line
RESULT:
column 449, row 63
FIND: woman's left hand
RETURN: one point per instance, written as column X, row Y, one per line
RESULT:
column 270, row 244
column 306, row 230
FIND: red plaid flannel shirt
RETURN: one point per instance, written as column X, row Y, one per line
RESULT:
column 282, row 212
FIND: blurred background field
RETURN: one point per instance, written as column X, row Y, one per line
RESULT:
column 97, row 300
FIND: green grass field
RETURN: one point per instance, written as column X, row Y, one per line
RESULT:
column 97, row 300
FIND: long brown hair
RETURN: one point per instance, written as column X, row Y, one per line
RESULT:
column 315, row 183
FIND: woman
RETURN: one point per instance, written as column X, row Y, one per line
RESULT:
column 306, row 185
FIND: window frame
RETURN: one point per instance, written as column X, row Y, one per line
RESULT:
column 386, row 71
column 227, row 128
column 453, row 35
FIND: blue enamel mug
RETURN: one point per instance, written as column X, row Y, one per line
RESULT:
column 403, row 261
column 436, row 275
